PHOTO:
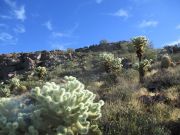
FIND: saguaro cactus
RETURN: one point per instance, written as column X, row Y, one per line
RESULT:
column 139, row 43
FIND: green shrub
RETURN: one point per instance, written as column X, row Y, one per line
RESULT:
column 66, row 109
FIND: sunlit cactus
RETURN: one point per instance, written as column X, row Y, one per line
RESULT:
column 111, row 63
column 140, row 43
column 14, row 83
column 65, row 109
column 41, row 72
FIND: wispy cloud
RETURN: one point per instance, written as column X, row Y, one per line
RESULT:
column 5, row 17
column 6, row 38
column 99, row 1
column 18, row 12
column 68, row 33
column 48, row 25
column 59, row 34
column 56, row 38
column 148, row 23
column 19, row 29
column 120, row 13
column 178, row 26
column 173, row 42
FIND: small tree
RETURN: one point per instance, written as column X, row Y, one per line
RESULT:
column 140, row 43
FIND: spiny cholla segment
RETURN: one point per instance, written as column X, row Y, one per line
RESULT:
column 65, row 109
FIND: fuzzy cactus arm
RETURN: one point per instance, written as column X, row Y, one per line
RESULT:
column 65, row 109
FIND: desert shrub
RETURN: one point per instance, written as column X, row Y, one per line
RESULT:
column 111, row 63
column 125, row 120
column 165, row 61
column 162, row 80
column 55, row 109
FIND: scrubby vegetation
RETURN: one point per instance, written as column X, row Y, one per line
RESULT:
column 115, row 102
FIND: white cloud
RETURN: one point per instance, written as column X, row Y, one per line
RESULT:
column 17, row 11
column 121, row 13
column 20, row 13
column 19, row 29
column 59, row 34
column 6, row 38
column 48, row 25
column 150, row 23
column 178, row 27
column 174, row 42
column 99, row 1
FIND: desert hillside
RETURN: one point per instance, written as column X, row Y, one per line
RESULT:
column 150, row 106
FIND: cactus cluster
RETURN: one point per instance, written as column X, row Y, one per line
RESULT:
column 16, row 85
column 111, row 63
column 165, row 61
column 65, row 109
column 41, row 72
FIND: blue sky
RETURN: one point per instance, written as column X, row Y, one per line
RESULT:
column 31, row 25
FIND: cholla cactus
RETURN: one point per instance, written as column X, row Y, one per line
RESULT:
column 4, row 90
column 14, row 83
column 66, row 109
column 144, row 66
column 139, row 43
column 165, row 61
column 41, row 72
column 111, row 63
